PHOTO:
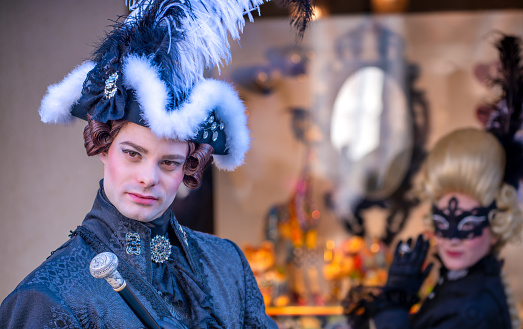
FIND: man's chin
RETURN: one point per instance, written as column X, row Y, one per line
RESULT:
column 137, row 213
column 143, row 218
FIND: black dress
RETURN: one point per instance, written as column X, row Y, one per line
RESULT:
column 469, row 299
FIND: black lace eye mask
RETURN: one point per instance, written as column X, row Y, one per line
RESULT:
column 454, row 222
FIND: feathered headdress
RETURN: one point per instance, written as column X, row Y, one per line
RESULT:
column 150, row 70
column 506, row 117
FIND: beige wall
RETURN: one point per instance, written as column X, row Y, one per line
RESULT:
column 47, row 181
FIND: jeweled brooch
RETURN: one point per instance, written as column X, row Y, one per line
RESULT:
column 110, row 86
column 160, row 249
column 132, row 240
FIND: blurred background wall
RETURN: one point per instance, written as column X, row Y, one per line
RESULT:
column 439, row 62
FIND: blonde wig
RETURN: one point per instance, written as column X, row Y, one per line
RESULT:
column 472, row 162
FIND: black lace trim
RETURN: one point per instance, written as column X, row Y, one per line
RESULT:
column 149, row 292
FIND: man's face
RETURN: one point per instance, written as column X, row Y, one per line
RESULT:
column 142, row 172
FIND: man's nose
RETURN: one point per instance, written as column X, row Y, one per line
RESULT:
column 148, row 175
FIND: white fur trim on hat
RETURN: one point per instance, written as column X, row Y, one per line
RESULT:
column 57, row 103
column 229, row 108
column 140, row 75
column 184, row 122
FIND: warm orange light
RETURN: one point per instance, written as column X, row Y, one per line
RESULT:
column 375, row 247
column 316, row 214
column 328, row 255
column 318, row 12
column 330, row 244
column 389, row 6
column 295, row 58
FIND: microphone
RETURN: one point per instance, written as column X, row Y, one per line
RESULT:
column 103, row 266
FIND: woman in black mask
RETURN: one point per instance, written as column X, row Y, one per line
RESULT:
column 474, row 214
column 470, row 177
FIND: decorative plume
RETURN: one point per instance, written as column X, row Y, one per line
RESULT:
column 505, row 120
column 301, row 13
column 195, row 33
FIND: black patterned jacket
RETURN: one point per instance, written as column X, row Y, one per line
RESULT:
column 210, row 282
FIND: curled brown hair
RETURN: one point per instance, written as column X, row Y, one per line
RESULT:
column 199, row 157
column 99, row 136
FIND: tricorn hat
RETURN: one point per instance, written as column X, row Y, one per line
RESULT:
column 150, row 70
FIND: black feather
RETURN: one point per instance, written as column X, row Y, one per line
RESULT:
column 151, row 36
column 505, row 120
column 301, row 12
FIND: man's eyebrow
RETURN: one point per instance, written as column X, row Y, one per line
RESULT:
column 174, row 157
column 144, row 151
column 136, row 147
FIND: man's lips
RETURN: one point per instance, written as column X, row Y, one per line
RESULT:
column 142, row 199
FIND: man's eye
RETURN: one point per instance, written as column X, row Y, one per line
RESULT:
column 171, row 164
column 131, row 153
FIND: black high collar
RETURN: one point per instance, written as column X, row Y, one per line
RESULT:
column 112, row 227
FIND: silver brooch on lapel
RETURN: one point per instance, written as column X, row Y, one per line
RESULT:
column 160, row 249
column 132, row 241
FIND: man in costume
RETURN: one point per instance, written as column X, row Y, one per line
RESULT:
column 155, row 122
